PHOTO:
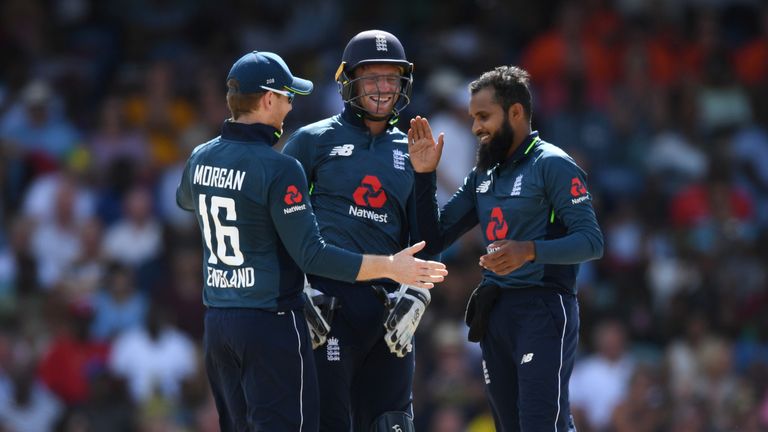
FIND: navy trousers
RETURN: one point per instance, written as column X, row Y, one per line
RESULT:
column 528, row 355
column 261, row 370
column 359, row 378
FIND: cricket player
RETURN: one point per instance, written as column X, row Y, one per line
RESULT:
column 259, row 233
column 362, row 192
column 532, row 203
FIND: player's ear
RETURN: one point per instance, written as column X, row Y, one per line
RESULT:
column 515, row 111
column 266, row 101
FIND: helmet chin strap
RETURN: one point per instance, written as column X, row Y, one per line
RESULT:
column 367, row 114
column 370, row 116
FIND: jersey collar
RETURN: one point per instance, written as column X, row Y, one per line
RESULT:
column 524, row 149
column 356, row 117
column 257, row 132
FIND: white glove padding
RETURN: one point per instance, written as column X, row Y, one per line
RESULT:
column 318, row 326
column 400, row 325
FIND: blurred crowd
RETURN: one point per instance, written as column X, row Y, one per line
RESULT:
column 664, row 103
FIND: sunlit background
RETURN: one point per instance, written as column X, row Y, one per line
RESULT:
column 663, row 103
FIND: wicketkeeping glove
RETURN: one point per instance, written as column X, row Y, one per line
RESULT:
column 400, row 325
column 318, row 325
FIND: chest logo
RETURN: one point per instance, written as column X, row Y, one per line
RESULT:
column 517, row 187
column 370, row 193
column 484, row 186
column 497, row 227
column 342, row 150
column 333, row 350
column 398, row 159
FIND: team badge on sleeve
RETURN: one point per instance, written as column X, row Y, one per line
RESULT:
column 578, row 191
column 293, row 199
column 292, row 195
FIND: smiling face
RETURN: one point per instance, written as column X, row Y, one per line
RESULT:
column 379, row 86
column 490, row 124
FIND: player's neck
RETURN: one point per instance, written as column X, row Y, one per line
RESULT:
column 262, row 117
column 375, row 127
column 521, row 134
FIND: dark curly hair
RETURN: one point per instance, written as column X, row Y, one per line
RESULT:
column 511, row 85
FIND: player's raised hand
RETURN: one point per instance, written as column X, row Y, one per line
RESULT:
column 409, row 270
column 424, row 152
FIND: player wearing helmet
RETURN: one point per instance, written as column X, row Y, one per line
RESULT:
column 362, row 181
column 259, row 235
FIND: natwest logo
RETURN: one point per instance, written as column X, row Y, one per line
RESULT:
column 497, row 227
column 370, row 193
column 577, row 188
column 292, row 195
column 578, row 191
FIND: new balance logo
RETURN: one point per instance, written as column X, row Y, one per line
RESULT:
column 342, row 150
column 526, row 358
column 484, row 186
column 381, row 43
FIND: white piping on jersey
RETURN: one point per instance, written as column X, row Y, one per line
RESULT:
column 560, row 369
column 301, row 362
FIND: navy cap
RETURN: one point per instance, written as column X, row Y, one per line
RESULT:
column 259, row 69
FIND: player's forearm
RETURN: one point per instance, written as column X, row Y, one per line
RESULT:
column 441, row 228
column 571, row 249
column 427, row 213
column 376, row 267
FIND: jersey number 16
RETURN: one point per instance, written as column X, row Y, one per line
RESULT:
column 222, row 232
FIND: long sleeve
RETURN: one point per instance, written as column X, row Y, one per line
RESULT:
column 566, row 187
column 184, row 197
column 288, row 200
column 300, row 146
column 440, row 228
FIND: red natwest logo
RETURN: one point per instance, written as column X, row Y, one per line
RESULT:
column 370, row 193
column 497, row 228
column 292, row 195
column 577, row 188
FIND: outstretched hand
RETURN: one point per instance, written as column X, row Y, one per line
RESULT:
column 424, row 152
column 409, row 270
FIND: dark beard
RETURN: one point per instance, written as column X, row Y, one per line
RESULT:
column 496, row 150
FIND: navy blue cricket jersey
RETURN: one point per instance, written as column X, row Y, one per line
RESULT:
column 362, row 184
column 259, row 231
column 538, row 194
